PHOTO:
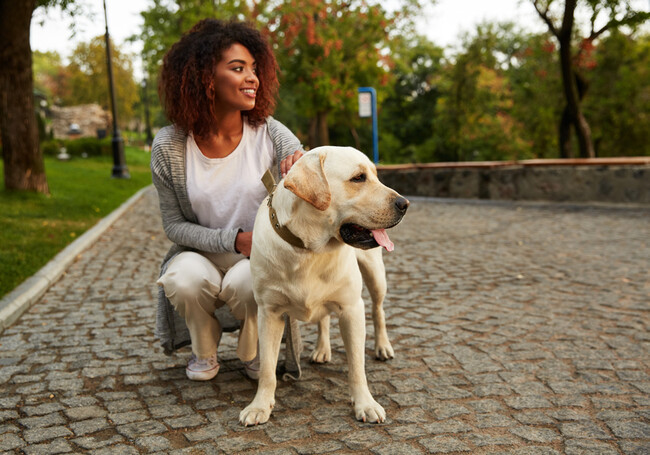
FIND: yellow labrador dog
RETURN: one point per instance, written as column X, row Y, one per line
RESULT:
column 303, row 262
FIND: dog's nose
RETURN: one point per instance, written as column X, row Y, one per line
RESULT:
column 402, row 204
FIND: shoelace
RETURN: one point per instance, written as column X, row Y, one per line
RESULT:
column 209, row 362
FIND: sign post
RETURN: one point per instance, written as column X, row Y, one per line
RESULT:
column 368, row 108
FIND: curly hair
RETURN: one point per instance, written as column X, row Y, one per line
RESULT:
column 189, row 67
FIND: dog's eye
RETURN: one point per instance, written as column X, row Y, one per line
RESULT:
column 359, row 178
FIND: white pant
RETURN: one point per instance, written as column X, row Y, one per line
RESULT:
column 197, row 284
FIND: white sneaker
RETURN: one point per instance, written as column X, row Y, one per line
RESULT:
column 252, row 367
column 202, row 369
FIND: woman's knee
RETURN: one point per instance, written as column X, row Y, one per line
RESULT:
column 237, row 289
column 190, row 279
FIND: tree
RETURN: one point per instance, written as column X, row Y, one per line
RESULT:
column 326, row 50
column 88, row 75
column 619, row 93
column 408, row 113
column 617, row 13
column 474, row 117
column 537, row 92
column 50, row 75
column 23, row 162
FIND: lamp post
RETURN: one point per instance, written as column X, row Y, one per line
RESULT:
column 120, row 170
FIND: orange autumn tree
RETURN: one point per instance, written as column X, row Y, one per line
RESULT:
column 326, row 50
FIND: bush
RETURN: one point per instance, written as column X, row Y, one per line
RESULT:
column 77, row 147
column 88, row 145
column 51, row 147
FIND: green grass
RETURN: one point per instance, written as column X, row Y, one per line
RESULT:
column 35, row 227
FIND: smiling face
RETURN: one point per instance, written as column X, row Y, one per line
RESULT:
column 235, row 81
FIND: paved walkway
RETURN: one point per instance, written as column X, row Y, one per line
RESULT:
column 518, row 329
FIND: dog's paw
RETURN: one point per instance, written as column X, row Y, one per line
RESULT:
column 253, row 415
column 321, row 355
column 384, row 351
column 370, row 411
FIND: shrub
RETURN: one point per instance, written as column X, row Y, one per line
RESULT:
column 89, row 145
column 51, row 147
column 77, row 147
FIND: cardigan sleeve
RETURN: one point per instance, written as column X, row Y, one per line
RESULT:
column 284, row 141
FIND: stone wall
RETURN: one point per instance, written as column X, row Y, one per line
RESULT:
column 89, row 117
column 624, row 180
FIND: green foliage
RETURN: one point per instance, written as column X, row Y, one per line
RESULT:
column 537, row 93
column 51, row 147
column 408, row 114
column 88, row 80
column 85, row 79
column 326, row 50
column 49, row 74
column 498, row 96
column 618, row 100
column 166, row 20
column 83, row 147
column 35, row 227
column 475, row 113
column 576, row 42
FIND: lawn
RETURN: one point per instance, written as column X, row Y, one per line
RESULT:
column 35, row 227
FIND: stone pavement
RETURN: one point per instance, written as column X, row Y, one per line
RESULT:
column 518, row 329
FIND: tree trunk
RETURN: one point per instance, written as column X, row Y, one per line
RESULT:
column 583, row 132
column 312, row 137
column 24, row 168
column 355, row 137
column 566, row 151
column 318, row 130
column 323, row 129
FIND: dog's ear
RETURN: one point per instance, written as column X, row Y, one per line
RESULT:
column 308, row 181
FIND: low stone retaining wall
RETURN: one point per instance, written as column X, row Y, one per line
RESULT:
column 624, row 180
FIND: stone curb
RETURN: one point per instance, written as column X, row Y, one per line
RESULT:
column 14, row 304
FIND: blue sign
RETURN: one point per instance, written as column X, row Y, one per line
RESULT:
column 368, row 108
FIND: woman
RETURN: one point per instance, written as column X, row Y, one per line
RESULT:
column 217, row 85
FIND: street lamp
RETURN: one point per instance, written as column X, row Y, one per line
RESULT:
column 120, row 170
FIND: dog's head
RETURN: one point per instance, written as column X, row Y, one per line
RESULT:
column 344, row 197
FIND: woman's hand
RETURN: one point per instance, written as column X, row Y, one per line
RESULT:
column 244, row 243
column 289, row 161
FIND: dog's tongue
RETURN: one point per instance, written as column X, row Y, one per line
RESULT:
column 382, row 239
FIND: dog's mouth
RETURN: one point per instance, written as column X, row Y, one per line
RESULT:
column 365, row 239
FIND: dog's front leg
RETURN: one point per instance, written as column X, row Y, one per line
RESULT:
column 353, row 330
column 323, row 351
column 271, row 326
column 373, row 272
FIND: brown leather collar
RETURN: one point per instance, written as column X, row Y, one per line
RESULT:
column 282, row 231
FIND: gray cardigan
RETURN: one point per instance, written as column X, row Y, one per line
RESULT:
column 182, row 228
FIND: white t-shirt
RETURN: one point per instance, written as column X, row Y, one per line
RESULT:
column 226, row 192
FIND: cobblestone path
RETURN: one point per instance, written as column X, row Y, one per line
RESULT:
column 518, row 329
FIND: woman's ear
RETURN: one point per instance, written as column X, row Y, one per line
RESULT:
column 307, row 180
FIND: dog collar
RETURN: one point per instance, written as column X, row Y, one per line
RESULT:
column 283, row 231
